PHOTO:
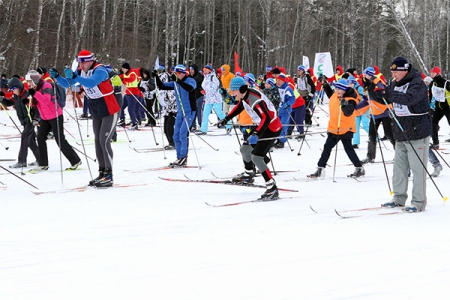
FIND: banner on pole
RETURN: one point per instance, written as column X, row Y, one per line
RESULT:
column 323, row 64
column 306, row 62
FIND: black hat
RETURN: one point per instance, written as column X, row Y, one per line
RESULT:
column 126, row 66
column 400, row 64
column 15, row 82
column 41, row 70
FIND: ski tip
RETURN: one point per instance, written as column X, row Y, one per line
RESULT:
column 445, row 198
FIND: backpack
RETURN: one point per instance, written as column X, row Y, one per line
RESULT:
column 60, row 94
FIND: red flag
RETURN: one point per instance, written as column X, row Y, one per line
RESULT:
column 236, row 64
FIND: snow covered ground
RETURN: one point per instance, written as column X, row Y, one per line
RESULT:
column 160, row 241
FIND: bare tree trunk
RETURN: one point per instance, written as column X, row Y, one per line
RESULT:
column 36, row 53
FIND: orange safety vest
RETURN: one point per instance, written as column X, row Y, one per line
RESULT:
column 377, row 108
column 338, row 123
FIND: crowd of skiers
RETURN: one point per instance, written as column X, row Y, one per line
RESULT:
column 267, row 110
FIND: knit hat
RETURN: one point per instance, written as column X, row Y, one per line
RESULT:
column 301, row 68
column 369, row 71
column 282, row 77
column 270, row 81
column 276, row 71
column 268, row 68
column 85, row 55
column 400, row 64
column 209, row 67
column 42, row 70
column 436, row 70
column 15, row 83
column 341, row 84
column 34, row 75
column 172, row 68
column 250, row 78
column 126, row 66
column 180, row 69
column 236, row 83
column 428, row 79
column 351, row 79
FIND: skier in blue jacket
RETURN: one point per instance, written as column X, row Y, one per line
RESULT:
column 184, row 87
column 284, row 112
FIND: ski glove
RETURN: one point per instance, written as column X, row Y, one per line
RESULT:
column 433, row 103
column 343, row 102
column 154, row 73
column 31, row 92
column 222, row 122
column 69, row 73
column 285, row 106
column 53, row 73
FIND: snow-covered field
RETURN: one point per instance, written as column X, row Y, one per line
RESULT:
column 159, row 240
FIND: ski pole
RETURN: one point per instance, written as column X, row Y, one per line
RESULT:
column 436, row 150
column 337, row 143
column 15, row 125
column 6, row 148
column 271, row 162
column 381, row 151
column 160, row 116
column 445, row 198
column 321, row 94
column 185, row 121
column 81, row 136
column 295, row 125
column 17, row 176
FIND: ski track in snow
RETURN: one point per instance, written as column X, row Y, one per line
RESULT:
column 160, row 240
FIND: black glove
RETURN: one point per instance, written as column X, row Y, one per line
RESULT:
column 173, row 77
column 154, row 73
column 31, row 92
column 255, row 133
column 53, row 73
column 142, row 89
column 2, row 94
column 222, row 122
column 343, row 102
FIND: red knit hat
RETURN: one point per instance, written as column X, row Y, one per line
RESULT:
column 436, row 70
column 85, row 55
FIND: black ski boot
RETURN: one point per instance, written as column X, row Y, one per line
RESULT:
column 320, row 173
column 106, row 180
column 359, row 171
column 244, row 177
column 101, row 174
column 271, row 192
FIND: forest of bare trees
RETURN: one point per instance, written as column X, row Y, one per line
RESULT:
column 358, row 33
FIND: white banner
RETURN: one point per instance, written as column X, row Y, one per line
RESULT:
column 323, row 64
column 306, row 62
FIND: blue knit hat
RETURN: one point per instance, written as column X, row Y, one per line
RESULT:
column 236, row 83
column 352, row 79
column 342, row 84
column 270, row 81
column 369, row 71
column 268, row 68
column 301, row 68
column 250, row 78
column 180, row 69
column 209, row 67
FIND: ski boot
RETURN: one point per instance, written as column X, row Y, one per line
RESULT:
column 106, row 180
column 437, row 170
column 359, row 171
column 101, row 174
column 271, row 192
column 320, row 173
column 244, row 177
